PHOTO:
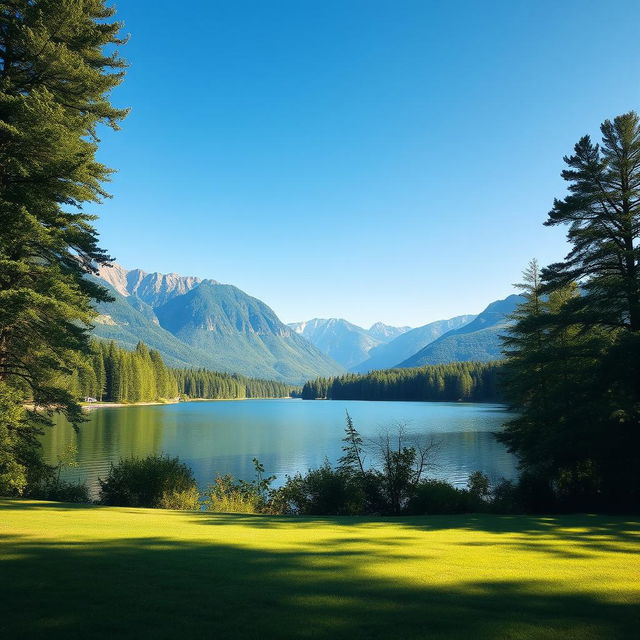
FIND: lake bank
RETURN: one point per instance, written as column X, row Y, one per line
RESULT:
column 115, row 405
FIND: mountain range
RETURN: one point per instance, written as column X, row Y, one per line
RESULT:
column 458, row 339
column 388, row 355
column 346, row 343
column 477, row 340
column 197, row 322
column 202, row 323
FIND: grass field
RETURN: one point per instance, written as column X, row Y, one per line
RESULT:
column 71, row 571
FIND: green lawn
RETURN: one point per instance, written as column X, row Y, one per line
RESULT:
column 71, row 571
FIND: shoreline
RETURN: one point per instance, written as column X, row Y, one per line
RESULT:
column 117, row 405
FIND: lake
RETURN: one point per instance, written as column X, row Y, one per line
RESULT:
column 285, row 435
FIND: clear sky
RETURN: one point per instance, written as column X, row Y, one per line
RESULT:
column 372, row 160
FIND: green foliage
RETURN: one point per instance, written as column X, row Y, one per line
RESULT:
column 201, row 383
column 114, row 374
column 13, row 466
column 573, row 369
column 241, row 334
column 388, row 486
column 180, row 500
column 227, row 495
column 54, row 86
column 52, row 488
column 320, row 492
column 432, row 497
column 353, row 454
column 479, row 485
column 466, row 381
column 155, row 481
column 477, row 341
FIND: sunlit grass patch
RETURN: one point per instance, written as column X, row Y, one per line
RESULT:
column 75, row 572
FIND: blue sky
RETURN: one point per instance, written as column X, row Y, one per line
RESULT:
column 369, row 160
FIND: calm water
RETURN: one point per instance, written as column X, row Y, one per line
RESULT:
column 285, row 435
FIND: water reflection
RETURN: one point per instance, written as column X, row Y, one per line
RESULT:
column 286, row 435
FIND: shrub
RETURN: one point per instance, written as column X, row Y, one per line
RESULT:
column 433, row 497
column 505, row 498
column 59, row 490
column 154, row 481
column 324, row 491
column 186, row 500
column 478, row 485
column 529, row 494
column 227, row 495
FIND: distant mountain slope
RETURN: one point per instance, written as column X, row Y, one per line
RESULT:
column 386, row 333
column 241, row 334
column 346, row 343
column 128, row 320
column 200, row 323
column 405, row 345
column 479, row 340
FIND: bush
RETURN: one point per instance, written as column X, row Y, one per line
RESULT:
column 187, row 500
column 433, row 497
column 226, row 495
column 59, row 491
column 478, row 485
column 154, row 481
column 321, row 492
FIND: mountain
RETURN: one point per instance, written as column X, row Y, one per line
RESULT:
column 242, row 334
column 386, row 333
column 406, row 344
column 127, row 320
column 153, row 288
column 478, row 340
column 343, row 341
column 201, row 323
column 346, row 343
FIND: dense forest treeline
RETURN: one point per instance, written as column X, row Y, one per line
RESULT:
column 467, row 381
column 202, row 383
column 114, row 374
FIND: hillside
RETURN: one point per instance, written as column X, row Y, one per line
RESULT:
column 201, row 323
column 107, row 573
column 346, row 343
column 128, row 320
column 385, row 332
column 479, row 340
column 405, row 345
column 241, row 334
column 343, row 341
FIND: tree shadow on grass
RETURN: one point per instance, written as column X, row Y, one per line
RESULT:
column 584, row 533
column 163, row 588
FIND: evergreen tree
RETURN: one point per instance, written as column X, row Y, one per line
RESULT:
column 353, row 455
column 603, row 214
column 54, row 86
column 574, row 356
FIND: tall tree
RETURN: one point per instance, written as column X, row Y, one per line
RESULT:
column 603, row 214
column 55, row 80
column 574, row 354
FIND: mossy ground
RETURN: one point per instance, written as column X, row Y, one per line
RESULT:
column 70, row 571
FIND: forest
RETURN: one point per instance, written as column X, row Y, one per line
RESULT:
column 113, row 374
column 458, row 381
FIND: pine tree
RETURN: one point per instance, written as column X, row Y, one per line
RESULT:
column 574, row 368
column 603, row 214
column 353, row 458
column 54, row 86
